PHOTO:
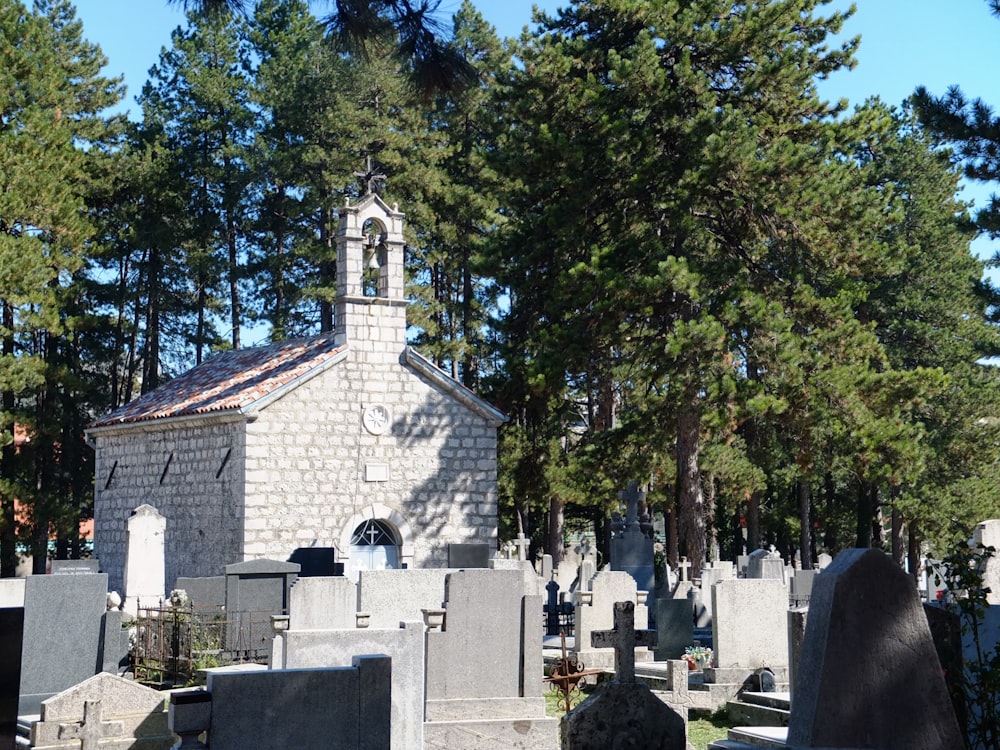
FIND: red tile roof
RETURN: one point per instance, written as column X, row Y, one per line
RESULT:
column 229, row 381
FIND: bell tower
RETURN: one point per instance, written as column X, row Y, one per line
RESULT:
column 370, row 308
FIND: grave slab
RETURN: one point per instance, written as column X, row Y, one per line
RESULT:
column 104, row 709
column 64, row 615
column 306, row 709
column 11, row 638
column 623, row 712
column 868, row 673
column 405, row 646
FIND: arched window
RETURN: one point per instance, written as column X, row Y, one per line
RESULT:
column 374, row 546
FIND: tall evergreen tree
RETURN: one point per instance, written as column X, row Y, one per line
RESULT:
column 197, row 98
column 51, row 92
column 685, row 217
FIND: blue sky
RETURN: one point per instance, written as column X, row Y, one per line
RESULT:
column 905, row 43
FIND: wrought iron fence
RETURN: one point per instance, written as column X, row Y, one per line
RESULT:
column 171, row 644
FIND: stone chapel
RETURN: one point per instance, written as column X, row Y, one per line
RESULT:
column 351, row 440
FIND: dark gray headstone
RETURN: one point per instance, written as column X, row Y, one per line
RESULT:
column 317, row 561
column 946, row 632
column 469, row 555
column 868, row 674
column 114, row 643
column 255, row 590
column 11, row 637
column 797, row 618
column 204, row 593
column 64, row 622
column 674, row 628
column 346, row 708
column 74, row 567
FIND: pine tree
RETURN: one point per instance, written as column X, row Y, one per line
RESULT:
column 406, row 32
column 197, row 98
column 50, row 137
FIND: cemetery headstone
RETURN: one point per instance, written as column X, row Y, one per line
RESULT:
column 92, row 728
column 204, row 593
column 742, row 563
column 585, row 574
column 492, row 626
column 595, row 611
column 623, row 712
column 316, row 561
column 12, row 592
column 522, row 543
column 946, row 633
column 764, row 564
column 987, row 534
column 472, row 555
column 801, row 586
column 310, row 649
column 395, row 596
column 674, row 628
column 868, row 675
column 797, row 617
column 255, row 590
column 823, row 560
column 103, row 708
column 632, row 546
column 323, row 603
column 72, row 567
column 11, row 638
column 63, row 616
column 345, row 708
column 145, row 565
column 750, row 626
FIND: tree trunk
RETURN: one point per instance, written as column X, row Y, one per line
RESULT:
column 8, row 528
column 913, row 556
column 898, row 543
column 865, row 513
column 711, row 531
column 753, row 521
column 690, row 505
column 554, row 537
column 673, row 545
column 805, row 526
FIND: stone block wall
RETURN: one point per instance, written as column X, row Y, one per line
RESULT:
column 314, row 472
column 191, row 471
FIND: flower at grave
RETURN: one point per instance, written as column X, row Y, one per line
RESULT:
column 701, row 655
column 178, row 598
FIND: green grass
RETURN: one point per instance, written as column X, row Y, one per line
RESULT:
column 704, row 729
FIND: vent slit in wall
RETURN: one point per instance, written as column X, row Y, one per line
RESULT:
column 166, row 468
column 111, row 475
column 225, row 460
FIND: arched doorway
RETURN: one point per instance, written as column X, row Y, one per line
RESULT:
column 374, row 546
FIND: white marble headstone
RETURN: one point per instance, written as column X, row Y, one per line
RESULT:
column 144, row 558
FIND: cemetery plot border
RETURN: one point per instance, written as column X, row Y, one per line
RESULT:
column 172, row 644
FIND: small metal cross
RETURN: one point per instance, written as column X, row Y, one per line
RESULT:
column 624, row 638
column 567, row 674
column 371, row 179
column 92, row 729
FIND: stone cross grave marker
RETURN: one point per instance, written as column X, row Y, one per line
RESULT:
column 623, row 639
column 522, row 543
column 684, row 565
column 92, row 729
column 632, row 497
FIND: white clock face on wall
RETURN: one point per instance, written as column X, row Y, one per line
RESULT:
column 376, row 419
